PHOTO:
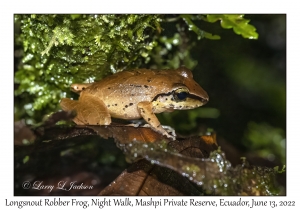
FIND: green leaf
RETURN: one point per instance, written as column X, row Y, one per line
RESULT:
column 75, row 16
column 201, row 34
column 239, row 25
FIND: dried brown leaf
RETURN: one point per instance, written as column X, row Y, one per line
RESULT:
column 144, row 178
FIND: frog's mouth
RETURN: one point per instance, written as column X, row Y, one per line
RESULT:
column 203, row 100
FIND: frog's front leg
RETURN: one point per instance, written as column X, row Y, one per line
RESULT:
column 90, row 110
column 146, row 110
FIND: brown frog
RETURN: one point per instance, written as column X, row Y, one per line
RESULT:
column 136, row 94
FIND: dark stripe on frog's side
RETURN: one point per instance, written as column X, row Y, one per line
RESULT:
column 203, row 100
column 163, row 94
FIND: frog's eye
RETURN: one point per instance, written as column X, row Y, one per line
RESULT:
column 181, row 94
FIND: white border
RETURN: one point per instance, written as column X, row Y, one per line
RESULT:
column 8, row 8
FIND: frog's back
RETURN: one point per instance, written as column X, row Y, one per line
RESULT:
column 141, row 84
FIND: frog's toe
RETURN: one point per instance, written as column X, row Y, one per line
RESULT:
column 169, row 136
column 169, row 129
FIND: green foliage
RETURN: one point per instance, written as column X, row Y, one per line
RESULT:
column 239, row 25
column 172, row 52
column 276, row 169
column 59, row 50
column 266, row 141
column 61, row 35
column 200, row 33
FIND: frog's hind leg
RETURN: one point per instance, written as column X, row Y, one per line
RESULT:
column 94, row 110
column 72, row 105
column 90, row 110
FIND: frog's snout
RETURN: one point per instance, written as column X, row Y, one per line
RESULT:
column 203, row 97
column 204, row 100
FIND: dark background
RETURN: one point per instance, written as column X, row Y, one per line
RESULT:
column 246, row 82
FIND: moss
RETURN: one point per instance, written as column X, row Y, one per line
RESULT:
column 63, row 49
